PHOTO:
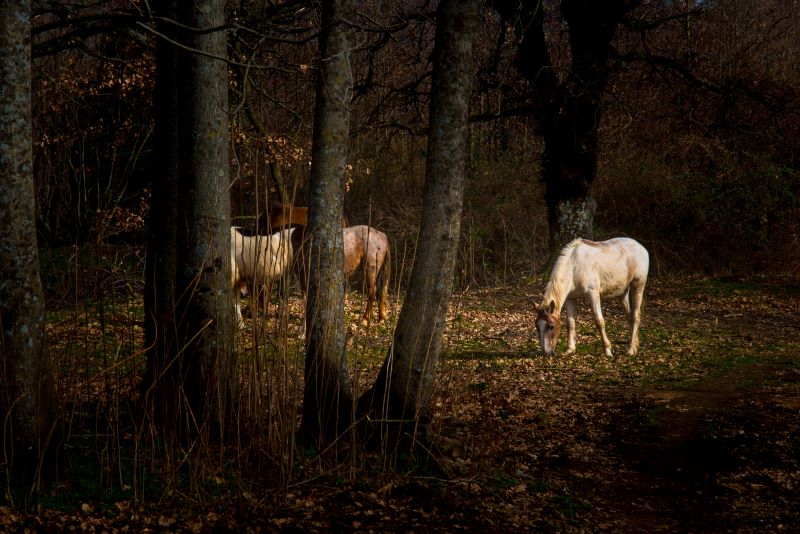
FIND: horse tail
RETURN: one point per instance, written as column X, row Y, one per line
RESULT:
column 383, row 284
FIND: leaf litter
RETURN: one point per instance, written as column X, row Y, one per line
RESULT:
column 699, row 432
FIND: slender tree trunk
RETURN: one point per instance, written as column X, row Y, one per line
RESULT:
column 27, row 395
column 195, row 360
column 328, row 401
column 401, row 395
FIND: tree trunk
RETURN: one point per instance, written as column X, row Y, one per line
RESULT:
column 193, row 370
column 27, row 395
column 328, row 401
column 161, row 265
column 400, row 397
column 569, row 112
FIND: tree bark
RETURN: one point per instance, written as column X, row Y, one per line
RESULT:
column 400, row 398
column 328, row 399
column 27, row 395
column 192, row 371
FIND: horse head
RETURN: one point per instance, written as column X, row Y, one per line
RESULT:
column 548, row 324
column 244, row 291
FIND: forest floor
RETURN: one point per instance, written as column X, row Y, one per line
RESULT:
column 699, row 432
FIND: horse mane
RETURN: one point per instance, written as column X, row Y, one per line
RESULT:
column 553, row 290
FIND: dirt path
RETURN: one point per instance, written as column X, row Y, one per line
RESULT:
column 719, row 456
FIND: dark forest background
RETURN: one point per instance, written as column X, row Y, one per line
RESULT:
column 694, row 108
column 697, row 150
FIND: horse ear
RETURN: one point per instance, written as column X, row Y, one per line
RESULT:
column 552, row 306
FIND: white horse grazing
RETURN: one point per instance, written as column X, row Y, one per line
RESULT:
column 256, row 262
column 613, row 268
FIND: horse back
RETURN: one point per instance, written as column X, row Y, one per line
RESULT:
column 284, row 215
column 260, row 255
column 363, row 243
column 611, row 266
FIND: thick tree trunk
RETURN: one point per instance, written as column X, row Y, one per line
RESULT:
column 27, row 396
column 203, row 287
column 570, row 111
column 400, row 398
column 327, row 403
column 569, row 169
column 193, row 370
column 160, row 268
column 572, row 121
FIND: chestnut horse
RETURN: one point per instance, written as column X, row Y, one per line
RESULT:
column 286, row 215
column 614, row 268
column 365, row 247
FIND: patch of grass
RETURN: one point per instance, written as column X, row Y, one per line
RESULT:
column 487, row 356
column 670, row 355
column 569, row 506
column 652, row 416
column 729, row 287
column 538, row 486
column 501, row 480
column 89, row 481
column 59, row 315
column 543, row 418
column 477, row 386
column 414, row 464
column 718, row 288
column 366, row 355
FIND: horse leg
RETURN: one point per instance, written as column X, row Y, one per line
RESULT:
column 369, row 276
column 626, row 302
column 570, row 307
column 263, row 297
column 368, row 312
column 597, row 310
column 383, row 287
column 237, row 304
column 635, row 317
column 240, row 290
column 383, row 299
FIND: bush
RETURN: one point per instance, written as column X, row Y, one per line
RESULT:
column 716, row 212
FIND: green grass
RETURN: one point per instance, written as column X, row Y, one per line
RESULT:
column 671, row 354
column 569, row 506
column 725, row 288
column 501, row 480
column 678, row 350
